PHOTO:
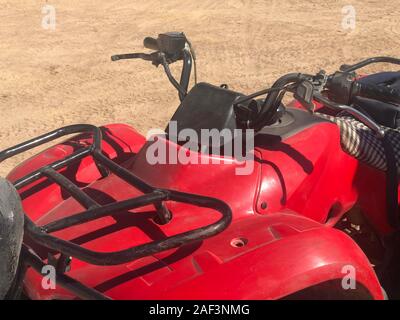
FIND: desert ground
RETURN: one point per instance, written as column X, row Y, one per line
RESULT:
column 50, row 78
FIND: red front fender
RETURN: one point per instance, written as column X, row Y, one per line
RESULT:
column 284, row 267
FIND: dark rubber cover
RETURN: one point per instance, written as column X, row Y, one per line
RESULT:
column 206, row 107
column 11, row 234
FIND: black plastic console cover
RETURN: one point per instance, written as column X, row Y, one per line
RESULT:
column 293, row 121
column 206, row 107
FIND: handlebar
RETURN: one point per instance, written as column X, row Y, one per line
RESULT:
column 364, row 63
column 168, row 48
column 273, row 99
column 376, row 92
column 341, row 86
column 370, row 123
column 151, row 43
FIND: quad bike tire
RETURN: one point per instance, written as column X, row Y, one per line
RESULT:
column 11, row 234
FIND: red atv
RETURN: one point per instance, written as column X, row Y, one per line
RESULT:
column 295, row 201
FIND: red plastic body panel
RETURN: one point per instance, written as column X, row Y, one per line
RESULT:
column 295, row 175
column 351, row 181
column 307, row 183
column 284, row 253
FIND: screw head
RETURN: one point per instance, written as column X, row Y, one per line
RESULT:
column 263, row 205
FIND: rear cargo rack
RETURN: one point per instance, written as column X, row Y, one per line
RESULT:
column 151, row 196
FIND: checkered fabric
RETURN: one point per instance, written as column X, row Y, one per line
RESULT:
column 361, row 142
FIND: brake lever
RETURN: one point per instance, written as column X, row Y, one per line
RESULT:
column 143, row 56
column 154, row 57
column 365, row 119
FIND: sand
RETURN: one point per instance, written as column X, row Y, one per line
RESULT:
column 54, row 78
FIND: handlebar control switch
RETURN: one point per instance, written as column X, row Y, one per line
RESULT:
column 304, row 94
column 171, row 43
column 339, row 87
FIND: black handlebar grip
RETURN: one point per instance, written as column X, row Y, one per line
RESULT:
column 372, row 91
column 150, row 43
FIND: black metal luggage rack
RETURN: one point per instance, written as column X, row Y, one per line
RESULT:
column 151, row 196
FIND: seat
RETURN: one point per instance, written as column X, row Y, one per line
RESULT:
column 359, row 141
column 362, row 143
